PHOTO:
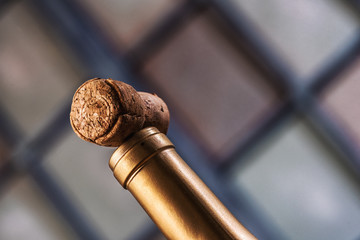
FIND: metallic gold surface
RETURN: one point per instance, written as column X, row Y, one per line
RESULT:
column 174, row 197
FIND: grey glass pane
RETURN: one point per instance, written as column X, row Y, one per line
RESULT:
column 303, row 186
column 35, row 76
column 128, row 21
column 342, row 99
column 305, row 32
column 213, row 84
column 83, row 169
column 25, row 214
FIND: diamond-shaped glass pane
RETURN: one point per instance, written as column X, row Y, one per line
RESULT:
column 128, row 21
column 306, row 33
column 342, row 99
column 83, row 169
column 303, row 186
column 212, row 84
column 35, row 75
column 25, row 214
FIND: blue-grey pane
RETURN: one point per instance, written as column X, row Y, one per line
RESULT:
column 25, row 214
column 35, row 74
column 82, row 168
column 306, row 33
column 303, row 186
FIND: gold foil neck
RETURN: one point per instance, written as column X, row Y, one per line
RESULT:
column 127, row 145
column 131, row 155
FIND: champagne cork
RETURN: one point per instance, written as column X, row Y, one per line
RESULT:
column 106, row 112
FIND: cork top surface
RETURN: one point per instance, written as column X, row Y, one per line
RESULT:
column 106, row 112
column 95, row 109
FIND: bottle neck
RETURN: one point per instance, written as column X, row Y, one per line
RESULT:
column 133, row 153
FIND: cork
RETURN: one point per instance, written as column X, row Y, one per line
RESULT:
column 106, row 112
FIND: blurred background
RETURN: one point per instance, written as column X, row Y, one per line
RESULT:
column 264, row 100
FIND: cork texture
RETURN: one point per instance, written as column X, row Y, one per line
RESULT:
column 156, row 112
column 106, row 112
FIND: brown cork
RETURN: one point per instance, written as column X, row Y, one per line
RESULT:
column 106, row 112
column 156, row 112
